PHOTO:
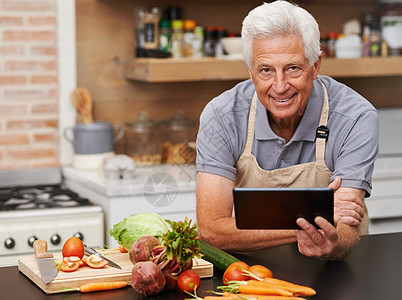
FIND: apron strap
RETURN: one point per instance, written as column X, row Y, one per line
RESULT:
column 251, row 124
column 320, row 142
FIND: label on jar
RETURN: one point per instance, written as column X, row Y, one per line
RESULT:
column 392, row 31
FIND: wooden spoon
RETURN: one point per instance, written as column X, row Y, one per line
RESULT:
column 83, row 102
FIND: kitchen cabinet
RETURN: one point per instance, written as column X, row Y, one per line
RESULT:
column 180, row 70
column 122, row 85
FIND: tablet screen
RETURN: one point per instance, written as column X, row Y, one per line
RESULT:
column 279, row 208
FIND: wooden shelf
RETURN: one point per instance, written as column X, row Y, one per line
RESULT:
column 203, row 69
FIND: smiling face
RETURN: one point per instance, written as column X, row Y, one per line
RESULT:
column 283, row 79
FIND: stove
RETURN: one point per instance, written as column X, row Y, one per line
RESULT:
column 35, row 204
column 39, row 197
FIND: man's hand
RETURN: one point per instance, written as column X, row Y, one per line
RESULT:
column 348, row 204
column 315, row 242
column 334, row 241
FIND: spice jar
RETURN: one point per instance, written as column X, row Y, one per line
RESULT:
column 390, row 13
column 178, row 147
column 143, row 142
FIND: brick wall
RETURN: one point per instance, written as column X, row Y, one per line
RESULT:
column 28, row 84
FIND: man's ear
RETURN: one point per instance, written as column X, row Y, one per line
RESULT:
column 317, row 66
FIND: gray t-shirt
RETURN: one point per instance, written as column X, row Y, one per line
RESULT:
column 351, row 149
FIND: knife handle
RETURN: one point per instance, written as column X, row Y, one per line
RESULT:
column 40, row 249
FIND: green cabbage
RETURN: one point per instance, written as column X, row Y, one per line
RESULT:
column 132, row 228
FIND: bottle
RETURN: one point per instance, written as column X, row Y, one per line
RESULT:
column 188, row 38
column 165, row 34
column 390, row 14
column 209, row 41
column 374, row 39
column 173, row 13
column 368, row 18
column 324, row 46
column 220, row 33
column 198, row 42
column 332, row 37
column 150, row 22
column 139, row 29
column 176, row 41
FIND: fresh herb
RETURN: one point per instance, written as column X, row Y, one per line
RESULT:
column 182, row 241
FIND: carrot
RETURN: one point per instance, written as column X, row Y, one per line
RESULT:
column 260, row 288
column 294, row 288
column 102, row 286
column 265, row 297
column 227, row 296
column 122, row 249
column 218, row 298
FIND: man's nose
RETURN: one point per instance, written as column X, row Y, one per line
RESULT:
column 280, row 83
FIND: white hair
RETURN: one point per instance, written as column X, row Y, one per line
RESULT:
column 281, row 18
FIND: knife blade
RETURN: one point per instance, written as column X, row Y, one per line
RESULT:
column 90, row 251
column 47, row 266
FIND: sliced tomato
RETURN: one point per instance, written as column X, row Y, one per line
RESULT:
column 68, row 266
column 95, row 261
column 83, row 262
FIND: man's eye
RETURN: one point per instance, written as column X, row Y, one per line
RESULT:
column 294, row 68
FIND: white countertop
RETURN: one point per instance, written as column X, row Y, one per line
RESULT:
column 184, row 175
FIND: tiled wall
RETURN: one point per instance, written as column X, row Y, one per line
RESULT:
column 28, row 84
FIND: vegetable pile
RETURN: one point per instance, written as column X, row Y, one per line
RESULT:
column 160, row 250
column 257, row 283
column 162, row 255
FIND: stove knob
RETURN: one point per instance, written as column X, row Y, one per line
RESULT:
column 9, row 243
column 31, row 240
column 55, row 239
column 79, row 235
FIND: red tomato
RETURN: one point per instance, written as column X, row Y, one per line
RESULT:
column 240, row 264
column 260, row 271
column 235, row 272
column 188, row 281
column 73, row 247
column 69, row 266
column 95, row 262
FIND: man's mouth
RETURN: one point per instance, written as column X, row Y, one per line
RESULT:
column 283, row 99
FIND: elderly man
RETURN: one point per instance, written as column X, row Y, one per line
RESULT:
column 263, row 133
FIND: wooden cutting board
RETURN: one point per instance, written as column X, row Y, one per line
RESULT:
column 83, row 275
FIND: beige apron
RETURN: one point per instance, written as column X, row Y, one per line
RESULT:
column 312, row 174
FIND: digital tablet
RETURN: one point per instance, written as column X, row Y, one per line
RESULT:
column 279, row 208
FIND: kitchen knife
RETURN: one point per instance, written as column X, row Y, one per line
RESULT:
column 90, row 251
column 48, row 268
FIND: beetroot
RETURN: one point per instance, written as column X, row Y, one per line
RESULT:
column 147, row 278
column 171, row 280
column 141, row 250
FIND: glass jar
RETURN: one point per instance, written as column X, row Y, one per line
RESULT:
column 390, row 13
column 143, row 142
column 179, row 144
column 188, row 38
column 176, row 40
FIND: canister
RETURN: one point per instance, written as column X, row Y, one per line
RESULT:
column 143, row 142
column 179, row 139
